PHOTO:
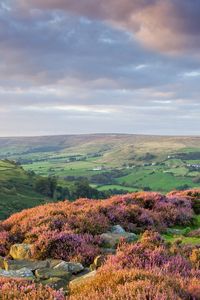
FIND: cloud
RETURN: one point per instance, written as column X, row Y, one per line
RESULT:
column 168, row 26
column 82, row 66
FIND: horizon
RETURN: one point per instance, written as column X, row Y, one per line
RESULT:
column 99, row 134
column 114, row 66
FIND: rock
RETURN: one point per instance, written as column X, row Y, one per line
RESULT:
column 93, row 267
column 99, row 261
column 112, row 239
column 56, row 283
column 194, row 233
column 18, row 264
column 71, row 267
column 53, row 262
column 22, row 273
column 82, row 278
column 47, row 273
column 117, row 229
column 21, row 251
column 174, row 231
column 108, row 251
column 1, row 262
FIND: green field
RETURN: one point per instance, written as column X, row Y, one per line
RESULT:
column 141, row 162
column 183, row 237
column 116, row 187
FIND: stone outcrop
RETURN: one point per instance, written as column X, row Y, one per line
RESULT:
column 112, row 238
column 47, row 273
column 21, row 251
column 117, row 229
column 71, row 267
column 18, row 264
column 53, row 272
column 21, row 273
column 98, row 262
column 1, row 262
column 56, row 283
column 194, row 233
column 81, row 279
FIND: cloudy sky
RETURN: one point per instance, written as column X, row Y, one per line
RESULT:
column 86, row 66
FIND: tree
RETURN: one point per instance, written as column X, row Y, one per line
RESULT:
column 82, row 189
column 46, row 186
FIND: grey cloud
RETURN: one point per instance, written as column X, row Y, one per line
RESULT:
column 60, row 62
column 169, row 26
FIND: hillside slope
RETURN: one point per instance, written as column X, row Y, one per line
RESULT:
column 16, row 189
column 111, row 162
column 137, row 246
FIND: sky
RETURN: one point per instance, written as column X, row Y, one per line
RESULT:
column 99, row 66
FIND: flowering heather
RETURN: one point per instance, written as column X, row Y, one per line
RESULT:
column 67, row 246
column 147, row 269
column 77, row 223
column 25, row 290
column 193, row 195
column 144, row 270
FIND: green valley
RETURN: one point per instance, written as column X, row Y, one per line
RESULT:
column 111, row 162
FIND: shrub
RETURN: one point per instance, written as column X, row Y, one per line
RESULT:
column 67, row 246
column 21, row 289
column 129, row 284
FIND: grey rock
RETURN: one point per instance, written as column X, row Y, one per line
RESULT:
column 22, row 273
column 71, row 267
column 19, row 264
column 56, row 283
column 117, row 229
column 174, row 231
column 82, row 278
column 47, row 273
column 111, row 240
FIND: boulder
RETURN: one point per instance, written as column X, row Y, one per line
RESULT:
column 117, row 229
column 22, row 273
column 81, row 279
column 56, row 283
column 174, row 231
column 108, row 251
column 19, row 264
column 47, row 273
column 111, row 240
column 194, row 233
column 21, row 251
column 71, row 267
column 53, row 262
column 1, row 262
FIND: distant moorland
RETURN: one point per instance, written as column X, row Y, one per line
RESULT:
column 117, row 163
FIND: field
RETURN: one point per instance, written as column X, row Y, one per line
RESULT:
column 111, row 162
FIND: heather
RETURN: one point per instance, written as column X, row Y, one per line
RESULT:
column 25, row 290
column 148, row 267
column 82, row 221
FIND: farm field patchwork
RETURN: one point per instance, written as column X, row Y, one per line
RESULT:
column 131, row 162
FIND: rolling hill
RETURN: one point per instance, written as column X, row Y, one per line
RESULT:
column 111, row 161
column 16, row 189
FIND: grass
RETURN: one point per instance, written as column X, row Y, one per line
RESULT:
column 155, row 178
column 50, row 156
column 115, row 187
column 185, row 240
column 16, row 190
column 184, row 231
